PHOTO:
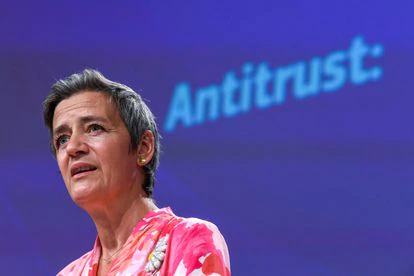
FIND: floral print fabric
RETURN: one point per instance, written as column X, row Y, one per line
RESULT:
column 165, row 245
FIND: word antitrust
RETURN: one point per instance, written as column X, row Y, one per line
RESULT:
column 262, row 87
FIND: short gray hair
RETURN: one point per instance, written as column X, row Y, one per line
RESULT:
column 135, row 114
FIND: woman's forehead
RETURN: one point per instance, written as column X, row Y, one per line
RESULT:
column 85, row 104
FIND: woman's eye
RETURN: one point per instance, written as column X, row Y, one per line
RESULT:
column 95, row 128
column 61, row 140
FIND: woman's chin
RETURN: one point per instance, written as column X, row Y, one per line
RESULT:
column 82, row 193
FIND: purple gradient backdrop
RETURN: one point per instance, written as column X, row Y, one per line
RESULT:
column 319, row 187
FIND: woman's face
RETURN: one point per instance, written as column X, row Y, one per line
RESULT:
column 93, row 150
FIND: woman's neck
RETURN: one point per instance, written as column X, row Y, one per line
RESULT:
column 116, row 222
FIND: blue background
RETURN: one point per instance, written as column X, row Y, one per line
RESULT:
column 321, row 186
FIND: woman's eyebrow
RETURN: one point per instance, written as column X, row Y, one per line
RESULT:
column 60, row 129
column 83, row 120
column 92, row 118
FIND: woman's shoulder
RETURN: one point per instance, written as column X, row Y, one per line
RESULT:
column 187, row 222
column 194, row 224
column 195, row 231
column 196, row 244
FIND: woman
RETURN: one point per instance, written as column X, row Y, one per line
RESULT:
column 106, row 144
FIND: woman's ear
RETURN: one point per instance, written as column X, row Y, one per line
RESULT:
column 145, row 149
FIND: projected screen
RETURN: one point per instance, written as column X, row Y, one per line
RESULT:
column 288, row 125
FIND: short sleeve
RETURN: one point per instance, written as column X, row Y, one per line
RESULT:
column 196, row 247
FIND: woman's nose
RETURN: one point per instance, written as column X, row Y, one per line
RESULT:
column 76, row 145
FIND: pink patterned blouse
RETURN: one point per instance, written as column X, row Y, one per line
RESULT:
column 163, row 244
